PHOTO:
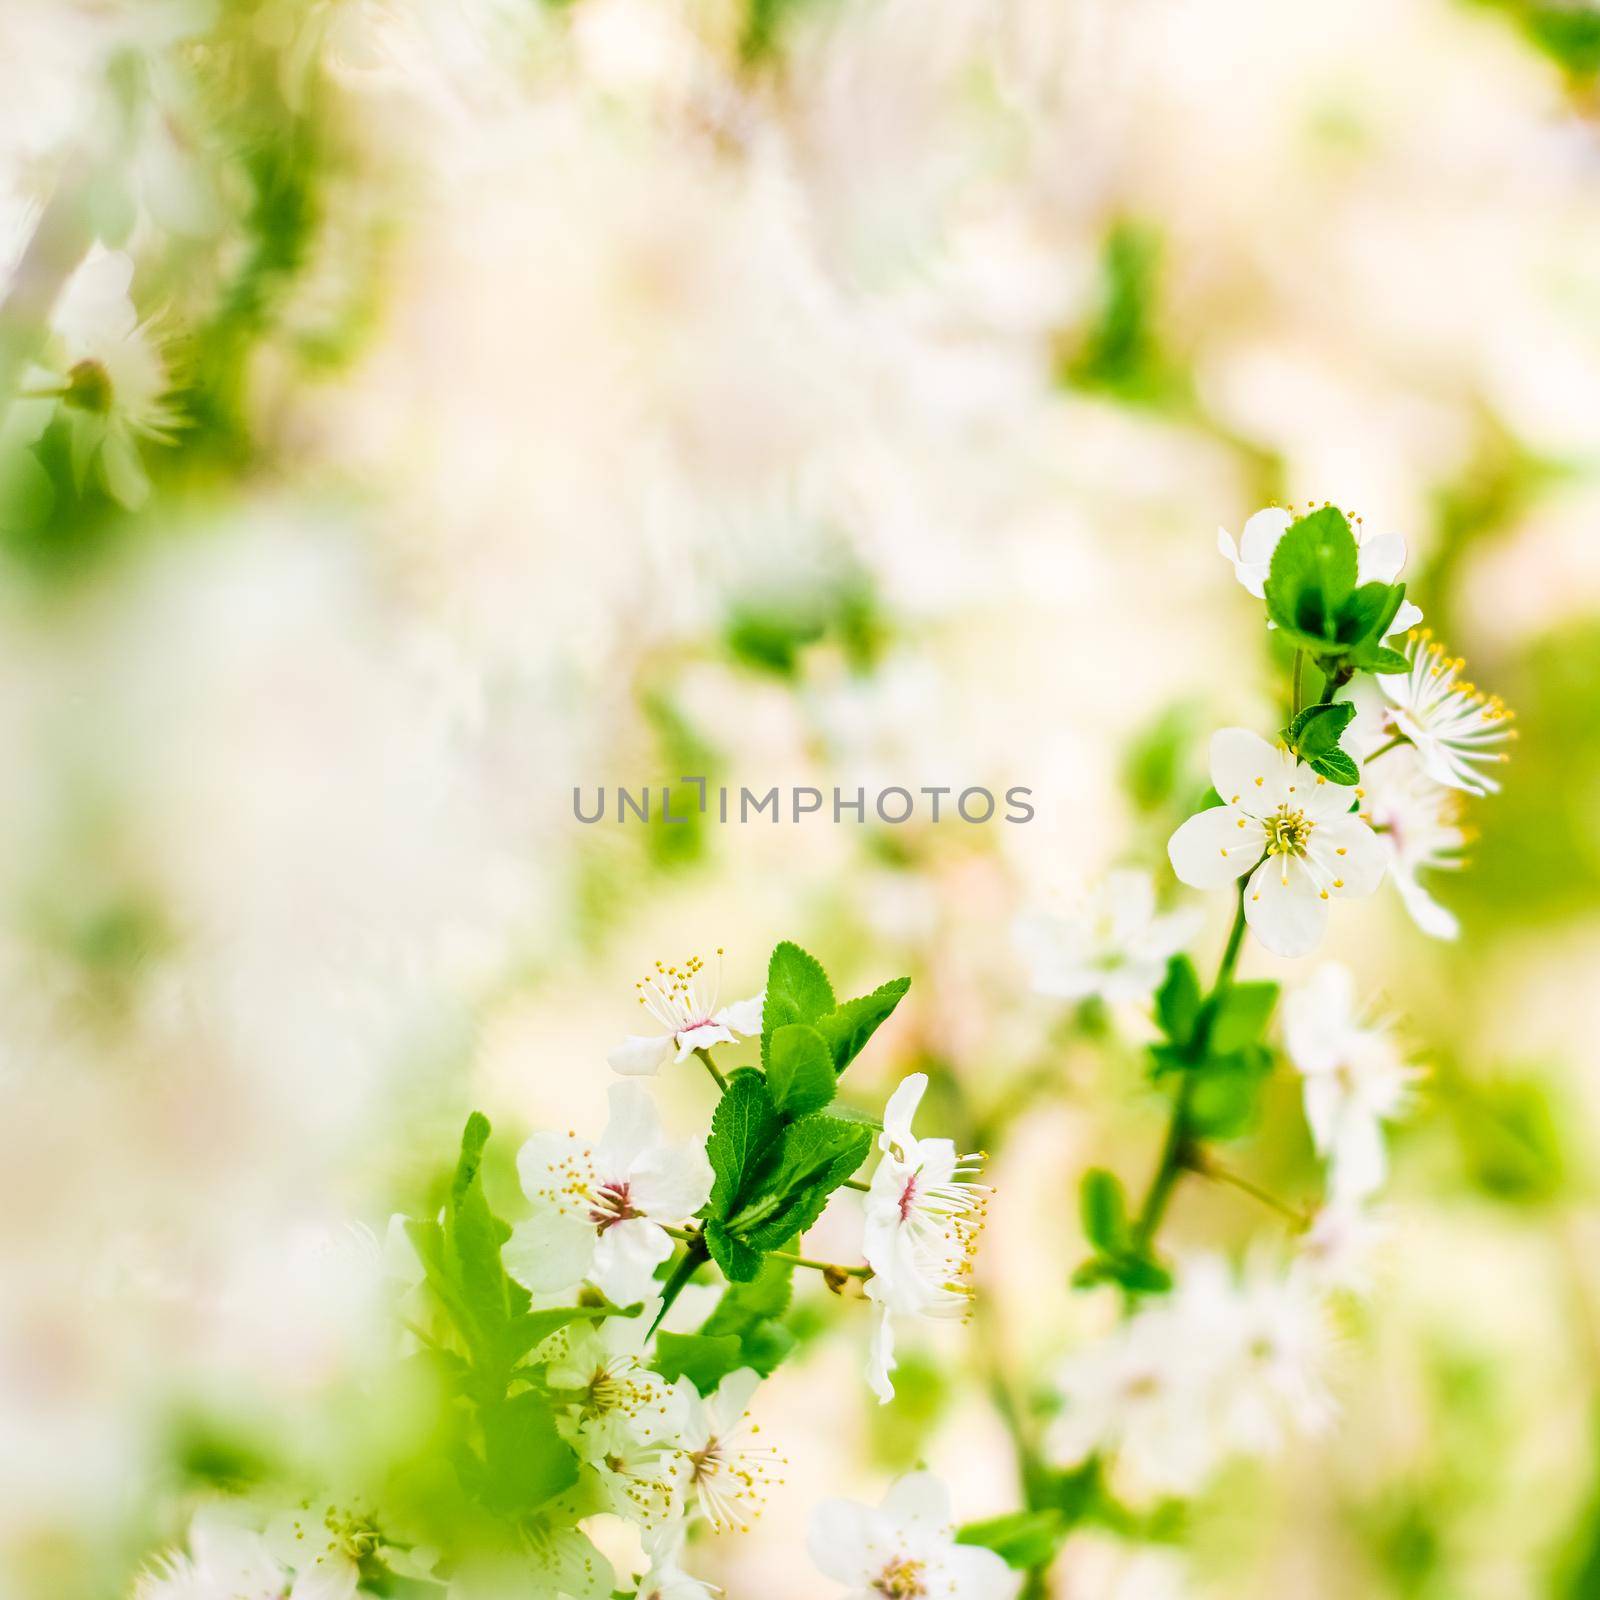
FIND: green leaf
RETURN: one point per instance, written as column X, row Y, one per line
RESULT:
column 1336, row 767
column 742, row 1127
column 526, row 1460
column 1238, row 1016
column 705, row 1359
column 1312, row 576
column 471, row 1251
column 1368, row 612
column 739, row 1262
column 1380, row 658
column 1105, row 1211
column 1316, row 730
column 1134, row 1271
column 1178, row 1001
column 797, row 991
column 815, row 1155
column 848, row 1027
column 534, row 1327
column 800, row 1070
column 750, row 1311
column 1022, row 1539
column 1226, row 1097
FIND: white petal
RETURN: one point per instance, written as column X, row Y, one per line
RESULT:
column 626, row 1256
column 1248, row 772
column 1359, row 1162
column 1324, row 1099
column 1261, row 535
column 1350, row 855
column 1284, row 909
column 640, row 1055
column 545, row 1163
column 898, row 1114
column 1431, row 917
column 979, row 1574
column 841, row 1542
column 1319, row 1018
column 671, row 1182
column 1405, row 619
column 1380, row 558
column 743, row 1016
column 918, row 1500
column 880, row 1356
column 634, row 1129
column 702, row 1037
column 1215, row 847
column 332, row 1576
column 550, row 1251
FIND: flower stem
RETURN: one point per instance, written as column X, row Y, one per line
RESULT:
column 1176, row 1153
column 694, row 1258
column 830, row 1267
column 1383, row 749
column 1200, row 1162
column 711, row 1067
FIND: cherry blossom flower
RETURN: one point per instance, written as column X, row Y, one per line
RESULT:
column 684, row 1001
column 923, row 1218
column 1287, row 826
column 600, row 1210
column 226, row 1560
column 665, row 1579
column 904, row 1548
column 1456, row 728
column 1336, row 1251
column 1379, row 558
column 326, row 1543
column 1115, row 948
column 1418, row 823
column 728, row 1471
column 1355, row 1079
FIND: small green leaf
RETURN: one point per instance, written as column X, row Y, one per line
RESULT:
column 1380, row 658
column 1312, row 576
column 815, row 1155
column 1368, row 612
column 1238, row 1016
column 750, row 1311
column 1104, row 1210
column 527, row 1460
column 470, row 1257
column 1226, row 1098
column 1022, row 1539
column 1336, row 767
column 534, row 1327
column 1178, row 1001
column 800, row 1070
column 742, row 1127
column 1317, row 729
column 705, row 1359
column 797, row 991
column 739, row 1262
column 848, row 1027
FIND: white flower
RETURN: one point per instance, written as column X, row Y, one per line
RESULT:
column 113, row 380
column 1456, row 727
column 562, row 1560
column 1355, row 1079
column 226, row 1560
column 923, row 1218
column 665, row 1579
column 1379, row 558
column 730, row 1473
column 1117, row 947
column 1418, row 823
column 904, row 1549
column 684, row 1001
column 1336, row 1251
column 1217, row 1366
column 1278, row 812
column 600, row 1211
column 325, row 1543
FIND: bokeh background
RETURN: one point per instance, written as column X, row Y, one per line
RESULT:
column 784, row 391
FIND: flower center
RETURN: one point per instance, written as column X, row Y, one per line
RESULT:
column 908, row 1197
column 610, row 1205
column 88, row 388
column 1288, row 832
column 901, row 1580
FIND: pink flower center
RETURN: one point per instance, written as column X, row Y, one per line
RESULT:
column 908, row 1197
column 611, row 1206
